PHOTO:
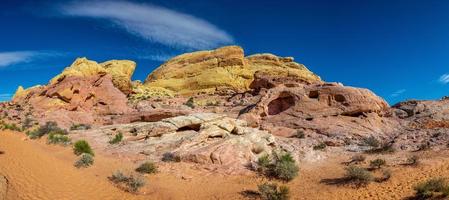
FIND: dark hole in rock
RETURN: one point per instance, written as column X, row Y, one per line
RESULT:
column 314, row 94
column 282, row 103
column 354, row 114
column 309, row 118
column 192, row 127
column 102, row 103
column 339, row 98
column 290, row 85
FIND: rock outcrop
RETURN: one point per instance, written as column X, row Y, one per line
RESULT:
column 339, row 113
column 3, row 187
column 204, row 138
column 221, row 70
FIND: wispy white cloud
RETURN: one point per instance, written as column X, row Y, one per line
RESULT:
column 5, row 97
column 444, row 79
column 153, row 23
column 156, row 57
column 398, row 93
column 11, row 58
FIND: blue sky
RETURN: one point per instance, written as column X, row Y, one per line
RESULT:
column 397, row 48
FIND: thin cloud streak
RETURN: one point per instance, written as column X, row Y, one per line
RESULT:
column 5, row 97
column 153, row 23
column 398, row 93
column 444, row 79
column 11, row 58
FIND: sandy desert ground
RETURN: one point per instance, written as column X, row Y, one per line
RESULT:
column 36, row 170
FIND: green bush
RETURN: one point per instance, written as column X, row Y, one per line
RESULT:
column 371, row 141
column 286, row 168
column 46, row 129
column 118, row 177
column 300, row 134
column 358, row 175
column 85, row 160
column 56, row 138
column 282, row 166
column 431, row 188
column 264, row 164
column 117, row 138
column 6, row 126
column 80, row 127
column 147, row 168
column 320, row 146
column 81, row 147
column 377, row 163
column 271, row 191
column 27, row 123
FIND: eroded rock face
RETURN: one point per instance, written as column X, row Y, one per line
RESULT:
column 204, row 138
column 3, row 187
column 220, row 70
column 338, row 112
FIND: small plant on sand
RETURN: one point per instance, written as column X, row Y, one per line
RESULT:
column 81, row 147
column 190, row 103
column 371, row 141
column 358, row 158
column 85, row 160
column 358, row 175
column 55, row 138
column 147, row 168
column 377, row 163
column 386, row 175
column 271, row 191
column 412, row 160
column 117, row 138
column 320, row 146
column 431, row 188
column 282, row 166
column 47, row 128
column 285, row 167
column 129, row 183
column 80, row 127
column 170, row 157
column 27, row 123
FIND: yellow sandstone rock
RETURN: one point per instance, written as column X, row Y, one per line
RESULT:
column 120, row 70
column 222, row 69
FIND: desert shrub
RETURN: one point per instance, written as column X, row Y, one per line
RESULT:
column 371, row 141
column 300, row 134
column 46, row 129
column 81, row 147
column 377, row 163
column 263, row 163
column 117, row 138
column 386, row 175
column 320, row 146
column 282, row 166
column 80, row 127
column 190, row 103
column 85, row 160
column 358, row 175
column 118, row 177
column 424, row 146
column 431, row 188
column 358, row 158
column 170, row 157
column 12, row 127
column 56, row 138
column 271, row 191
column 147, row 168
column 132, row 183
column 285, row 167
column 412, row 160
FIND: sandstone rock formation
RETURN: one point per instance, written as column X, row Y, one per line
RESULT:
column 221, row 70
column 336, row 112
column 3, row 187
column 204, row 138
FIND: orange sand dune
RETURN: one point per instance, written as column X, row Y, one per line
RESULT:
column 39, row 171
